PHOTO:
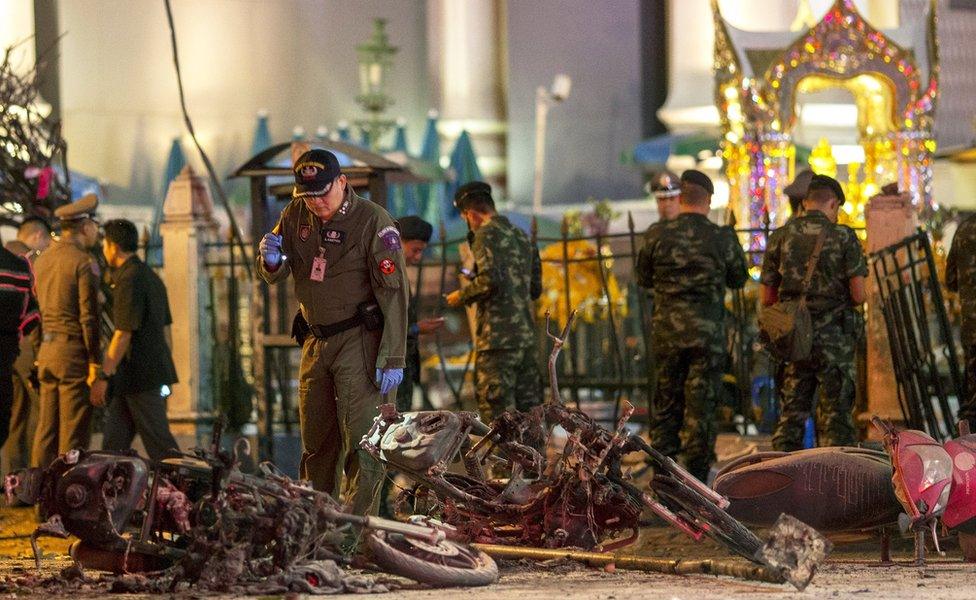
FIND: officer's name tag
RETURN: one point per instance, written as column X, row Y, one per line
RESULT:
column 318, row 269
column 333, row 236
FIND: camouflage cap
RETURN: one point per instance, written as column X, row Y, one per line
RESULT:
column 82, row 208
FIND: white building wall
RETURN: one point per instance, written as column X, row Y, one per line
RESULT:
column 295, row 58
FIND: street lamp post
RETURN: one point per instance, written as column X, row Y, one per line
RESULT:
column 544, row 99
column 375, row 59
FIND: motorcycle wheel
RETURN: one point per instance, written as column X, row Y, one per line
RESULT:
column 445, row 564
column 722, row 527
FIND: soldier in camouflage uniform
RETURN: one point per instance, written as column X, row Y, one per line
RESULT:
column 687, row 263
column 507, row 279
column 836, row 288
column 961, row 277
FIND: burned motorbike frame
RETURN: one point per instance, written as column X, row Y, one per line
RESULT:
column 203, row 522
column 576, row 495
column 542, row 503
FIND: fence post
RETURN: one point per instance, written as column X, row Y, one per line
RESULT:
column 188, row 226
column 889, row 219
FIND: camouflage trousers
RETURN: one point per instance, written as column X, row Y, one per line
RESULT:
column 507, row 378
column 822, row 385
column 967, row 405
column 683, row 419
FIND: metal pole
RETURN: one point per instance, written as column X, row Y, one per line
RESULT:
column 642, row 316
column 541, row 112
column 574, row 388
column 672, row 566
column 618, row 362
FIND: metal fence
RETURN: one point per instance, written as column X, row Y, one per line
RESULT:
column 923, row 349
column 608, row 359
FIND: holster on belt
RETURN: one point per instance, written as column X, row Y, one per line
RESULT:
column 368, row 314
column 300, row 329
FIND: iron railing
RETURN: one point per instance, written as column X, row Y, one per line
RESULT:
column 923, row 350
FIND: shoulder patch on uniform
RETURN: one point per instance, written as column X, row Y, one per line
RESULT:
column 390, row 236
column 387, row 266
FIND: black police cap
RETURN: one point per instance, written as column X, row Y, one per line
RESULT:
column 825, row 182
column 314, row 171
column 698, row 178
column 470, row 191
column 415, row 228
column 664, row 185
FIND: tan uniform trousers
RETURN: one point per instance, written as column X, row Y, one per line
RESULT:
column 338, row 399
column 65, row 411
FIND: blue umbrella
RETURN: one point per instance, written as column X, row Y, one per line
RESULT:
column 342, row 128
column 174, row 164
column 262, row 135
column 404, row 197
column 429, row 195
column 463, row 168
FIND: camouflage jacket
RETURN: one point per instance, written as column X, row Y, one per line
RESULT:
column 961, row 276
column 688, row 263
column 841, row 258
column 508, row 278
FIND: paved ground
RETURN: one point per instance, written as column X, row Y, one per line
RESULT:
column 852, row 572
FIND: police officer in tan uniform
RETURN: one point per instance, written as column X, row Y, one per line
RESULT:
column 69, row 358
column 345, row 256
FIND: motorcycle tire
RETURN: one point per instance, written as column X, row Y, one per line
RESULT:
column 446, row 564
column 723, row 527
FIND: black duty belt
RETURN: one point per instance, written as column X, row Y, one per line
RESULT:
column 326, row 331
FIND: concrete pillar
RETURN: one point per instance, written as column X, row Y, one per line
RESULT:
column 188, row 226
column 890, row 219
column 466, row 64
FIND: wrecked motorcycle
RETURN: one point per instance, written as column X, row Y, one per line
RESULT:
column 833, row 489
column 932, row 480
column 206, row 523
column 576, row 495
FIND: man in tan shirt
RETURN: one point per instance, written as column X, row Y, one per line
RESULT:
column 69, row 357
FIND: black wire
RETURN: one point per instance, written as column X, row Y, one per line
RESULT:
column 235, row 231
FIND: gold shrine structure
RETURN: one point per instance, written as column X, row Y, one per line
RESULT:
column 892, row 75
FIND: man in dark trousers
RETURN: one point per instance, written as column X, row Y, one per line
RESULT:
column 137, row 362
column 18, row 314
column 345, row 257
column 825, row 380
column 688, row 262
column 33, row 236
column 506, row 283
